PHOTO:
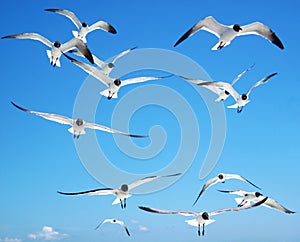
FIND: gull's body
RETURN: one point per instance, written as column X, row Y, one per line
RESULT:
column 243, row 99
column 83, row 27
column 252, row 197
column 223, row 94
column 227, row 33
column 114, row 221
column 56, row 47
column 222, row 178
column 121, row 193
column 113, row 84
column 78, row 126
column 202, row 218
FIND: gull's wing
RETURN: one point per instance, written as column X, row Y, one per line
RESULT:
column 181, row 212
column 206, row 186
column 236, row 176
column 104, row 26
column 33, row 36
column 124, row 226
column 52, row 117
column 110, row 130
column 68, row 14
column 97, row 60
column 241, row 193
column 262, row 81
column 148, row 179
column 80, row 45
column 101, row 191
column 92, row 70
column 125, row 52
column 274, row 204
column 209, row 24
column 262, row 30
column 108, row 220
column 142, row 79
column 241, row 74
column 238, row 208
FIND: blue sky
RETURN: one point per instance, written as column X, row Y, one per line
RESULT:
column 39, row 157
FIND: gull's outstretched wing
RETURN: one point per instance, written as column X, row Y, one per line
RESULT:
column 67, row 14
column 205, row 187
column 241, row 74
column 142, row 79
column 239, row 177
column 33, row 36
column 262, row 81
column 181, row 212
column 101, row 191
column 104, row 26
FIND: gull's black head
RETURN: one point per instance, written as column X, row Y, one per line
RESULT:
column 226, row 92
column 79, row 122
column 57, row 44
column 237, row 27
column 205, row 216
column 114, row 220
column 117, row 82
column 124, row 188
column 244, row 97
column 84, row 24
column 221, row 176
column 258, row 194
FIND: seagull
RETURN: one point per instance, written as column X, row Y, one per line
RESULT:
column 202, row 218
column 114, row 221
column 83, row 27
column 113, row 84
column 78, row 125
column 106, row 67
column 57, row 48
column 241, row 100
column 223, row 94
column 222, row 178
column 227, row 33
column 252, row 197
column 121, row 193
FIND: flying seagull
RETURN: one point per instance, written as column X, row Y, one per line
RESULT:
column 57, row 48
column 106, row 67
column 202, row 218
column 252, row 197
column 241, row 100
column 113, row 84
column 78, row 125
column 83, row 27
column 114, row 221
column 227, row 33
column 121, row 193
column 223, row 94
column 222, row 178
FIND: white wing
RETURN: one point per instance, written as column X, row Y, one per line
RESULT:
column 236, row 176
column 33, row 36
column 274, row 204
column 206, row 186
column 104, row 26
column 209, row 24
column 125, row 52
column 101, row 191
column 97, row 60
column 68, row 14
column 241, row 74
column 52, row 117
column 262, row 81
column 142, row 79
column 262, row 30
column 148, row 179
column 241, row 193
column 110, row 130
column 95, row 72
column 181, row 212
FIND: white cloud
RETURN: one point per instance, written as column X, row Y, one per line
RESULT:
column 143, row 228
column 47, row 233
column 6, row 239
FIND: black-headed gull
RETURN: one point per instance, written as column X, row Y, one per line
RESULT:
column 227, row 33
column 252, row 197
column 121, row 193
column 114, row 221
column 223, row 94
column 222, row 178
column 113, row 84
column 202, row 218
column 106, row 67
column 78, row 126
column 57, row 48
column 241, row 100
column 83, row 27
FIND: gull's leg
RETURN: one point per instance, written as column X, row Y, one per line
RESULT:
column 203, row 229
column 124, row 202
column 199, row 233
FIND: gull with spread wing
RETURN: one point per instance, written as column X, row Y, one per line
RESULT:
column 57, row 48
column 83, row 27
column 121, row 193
column 78, row 125
column 227, row 33
column 202, row 218
column 114, row 221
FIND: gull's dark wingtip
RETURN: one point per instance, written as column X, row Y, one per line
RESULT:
column 112, row 30
column 276, row 41
column 183, row 37
column 18, row 107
